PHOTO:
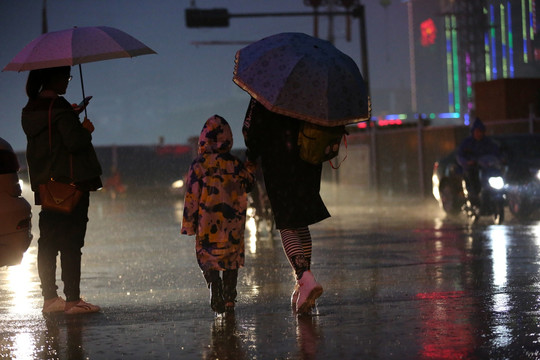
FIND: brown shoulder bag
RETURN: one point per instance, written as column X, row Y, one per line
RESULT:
column 55, row 195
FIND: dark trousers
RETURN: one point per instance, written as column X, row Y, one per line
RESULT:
column 230, row 278
column 472, row 181
column 62, row 233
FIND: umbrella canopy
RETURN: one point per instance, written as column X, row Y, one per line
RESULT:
column 76, row 46
column 300, row 76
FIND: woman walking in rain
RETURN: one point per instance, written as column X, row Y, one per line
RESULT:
column 293, row 188
column 215, row 208
column 293, row 79
column 65, row 153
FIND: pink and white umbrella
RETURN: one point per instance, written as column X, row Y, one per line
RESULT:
column 77, row 46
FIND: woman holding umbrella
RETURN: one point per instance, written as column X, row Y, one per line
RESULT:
column 63, row 151
column 295, row 78
column 293, row 188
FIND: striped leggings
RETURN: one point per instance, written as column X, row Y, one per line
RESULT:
column 297, row 246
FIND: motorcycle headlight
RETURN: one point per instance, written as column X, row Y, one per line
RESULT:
column 496, row 182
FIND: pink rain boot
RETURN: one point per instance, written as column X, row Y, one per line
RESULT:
column 308, row 292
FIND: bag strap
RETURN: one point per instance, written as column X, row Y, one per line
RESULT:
column 342, row 160
column 50, row 140
column 50, row 116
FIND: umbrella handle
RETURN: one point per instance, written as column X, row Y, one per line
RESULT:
column 82, row 86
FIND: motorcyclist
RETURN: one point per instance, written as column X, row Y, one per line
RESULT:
column 469, row 152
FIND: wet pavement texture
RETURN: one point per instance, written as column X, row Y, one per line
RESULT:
column 401, row 280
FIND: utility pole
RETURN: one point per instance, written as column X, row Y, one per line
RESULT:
column 412, row 60
column 44, row 24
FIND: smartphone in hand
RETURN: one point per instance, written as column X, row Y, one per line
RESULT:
column 85, row 102
column 82, row 105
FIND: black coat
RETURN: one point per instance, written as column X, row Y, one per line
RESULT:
column 292, row 184
column 68, row 139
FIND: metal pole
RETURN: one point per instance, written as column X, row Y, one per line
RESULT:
column 316, row 22
column 331, row 37
column 359, row 12
column 420, row 136
column 363, row 45
column 412, row 60
column 44, row 24
column 531, row 118
column 324, row 13
column 373, row 158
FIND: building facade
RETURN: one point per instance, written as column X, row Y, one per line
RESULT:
column 456, row 43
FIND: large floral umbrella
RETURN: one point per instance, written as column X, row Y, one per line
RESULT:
column 300, row 76
column 76, row 46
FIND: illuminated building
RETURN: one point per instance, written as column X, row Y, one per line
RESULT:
column 456, row 43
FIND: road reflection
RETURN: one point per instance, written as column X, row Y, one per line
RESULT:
column 515, row 285
column 447, row 332
column 225, row 340
column 23, row 286
column 448, row 327
column 482, row 279
column 308, row 336
column 429, row 287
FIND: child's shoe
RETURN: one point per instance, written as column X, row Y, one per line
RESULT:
column 229, row 307
column 54, row 305
column 308, row 292
column 80, row 307
column 230, row 278
column 216, row 296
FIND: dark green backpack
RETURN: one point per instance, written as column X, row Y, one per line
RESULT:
column 319, row 143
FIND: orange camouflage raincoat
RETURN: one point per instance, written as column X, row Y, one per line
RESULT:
column 215, row 204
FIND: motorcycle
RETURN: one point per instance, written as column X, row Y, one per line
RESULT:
column 491, row 199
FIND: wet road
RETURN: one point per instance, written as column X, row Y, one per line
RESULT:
column 401, row 282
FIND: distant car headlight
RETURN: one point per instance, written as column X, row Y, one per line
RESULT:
column 178, row 184
column 538, row 174
column 496, row 182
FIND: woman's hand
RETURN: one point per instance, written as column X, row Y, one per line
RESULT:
column 87, row 124
column 78, row 108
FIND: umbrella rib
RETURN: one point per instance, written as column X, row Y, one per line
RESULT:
column 129, row 52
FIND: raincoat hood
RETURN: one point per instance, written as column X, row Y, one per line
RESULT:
column 216, row 136
column 478, row 124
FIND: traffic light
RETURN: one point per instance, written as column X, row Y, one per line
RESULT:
column 207, row 18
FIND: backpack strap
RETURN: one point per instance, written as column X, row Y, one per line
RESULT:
column 50, row 140
column 342, row 160
column 50, row 116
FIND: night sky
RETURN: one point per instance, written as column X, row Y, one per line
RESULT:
column 171, row 94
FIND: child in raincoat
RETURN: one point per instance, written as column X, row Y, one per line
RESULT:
column 215, row 208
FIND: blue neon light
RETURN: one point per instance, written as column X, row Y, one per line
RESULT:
column 452, row 115
column 510, row 39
